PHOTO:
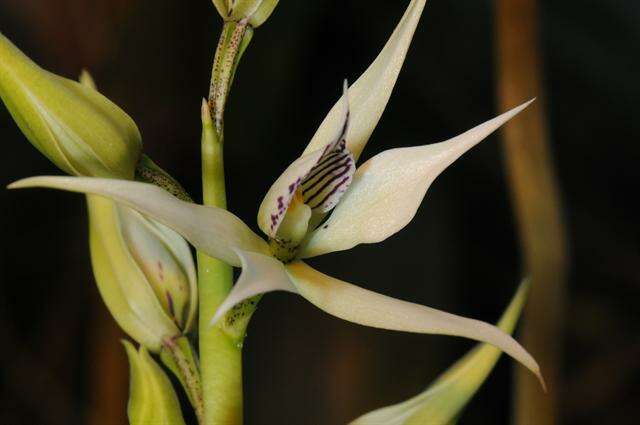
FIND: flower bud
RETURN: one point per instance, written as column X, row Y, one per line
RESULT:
column 73, row 125
column 152, row 399
column 144, row 271
column 254, row 11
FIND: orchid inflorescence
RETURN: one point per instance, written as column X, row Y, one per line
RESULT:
column 141, row 220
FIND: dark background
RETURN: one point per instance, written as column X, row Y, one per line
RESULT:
column 61, row 361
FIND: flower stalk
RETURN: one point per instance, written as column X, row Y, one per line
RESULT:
column 220, row 350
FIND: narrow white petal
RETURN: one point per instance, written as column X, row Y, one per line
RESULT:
column 212, row 230
column 369, row 95
column 388, row 189
column 358, row 305
column 260, row 274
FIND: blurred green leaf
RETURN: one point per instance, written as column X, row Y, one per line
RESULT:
column 443, row 401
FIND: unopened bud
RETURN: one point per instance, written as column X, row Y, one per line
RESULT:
column 253, row 11
column 77, row 128
column 144, row 271
column 152, row 399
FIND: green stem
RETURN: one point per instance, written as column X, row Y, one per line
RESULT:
column 220, row 351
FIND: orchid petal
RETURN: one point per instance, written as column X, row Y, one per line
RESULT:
column 260, row 274
column 277, row 200
column 443, row 401
column 354, row 304
column 369, row 95
column 212, row 230
column 388, row 189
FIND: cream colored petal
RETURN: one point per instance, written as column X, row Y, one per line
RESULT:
column 260, row 274
column 443, row 401
column 388, row 189
column 212, row 230
column 369, row 95
column 358, row 305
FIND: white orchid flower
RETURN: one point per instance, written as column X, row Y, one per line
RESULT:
column 366, row 205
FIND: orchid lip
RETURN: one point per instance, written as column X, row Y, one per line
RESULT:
column 319, row 177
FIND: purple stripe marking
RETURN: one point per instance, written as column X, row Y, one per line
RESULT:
column 337, row 176
column 347, row 162
column 346, row 179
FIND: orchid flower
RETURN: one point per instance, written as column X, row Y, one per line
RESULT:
column 320, row 204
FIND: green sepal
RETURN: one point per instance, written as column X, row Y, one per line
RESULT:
column 152, row 399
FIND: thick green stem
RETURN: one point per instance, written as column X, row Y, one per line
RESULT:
column 220, row 351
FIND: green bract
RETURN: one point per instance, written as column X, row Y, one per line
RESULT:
column 77, row 128
column 144, row 271
column 254, row 11
column 152, row 399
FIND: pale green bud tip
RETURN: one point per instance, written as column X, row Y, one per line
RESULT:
column 73, row 125
column 86, row 79
column 152, row 398
column 253, row 11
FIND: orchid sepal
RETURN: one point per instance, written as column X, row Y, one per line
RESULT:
column 212, row 230
column 262, row 274
column 388, row 189
column 443, row 401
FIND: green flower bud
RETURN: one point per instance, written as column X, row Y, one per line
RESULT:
column 77, row 128
column 254, row 11
column 152, row 399
column 144, row 271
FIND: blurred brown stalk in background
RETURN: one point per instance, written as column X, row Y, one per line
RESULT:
column 537, row 206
